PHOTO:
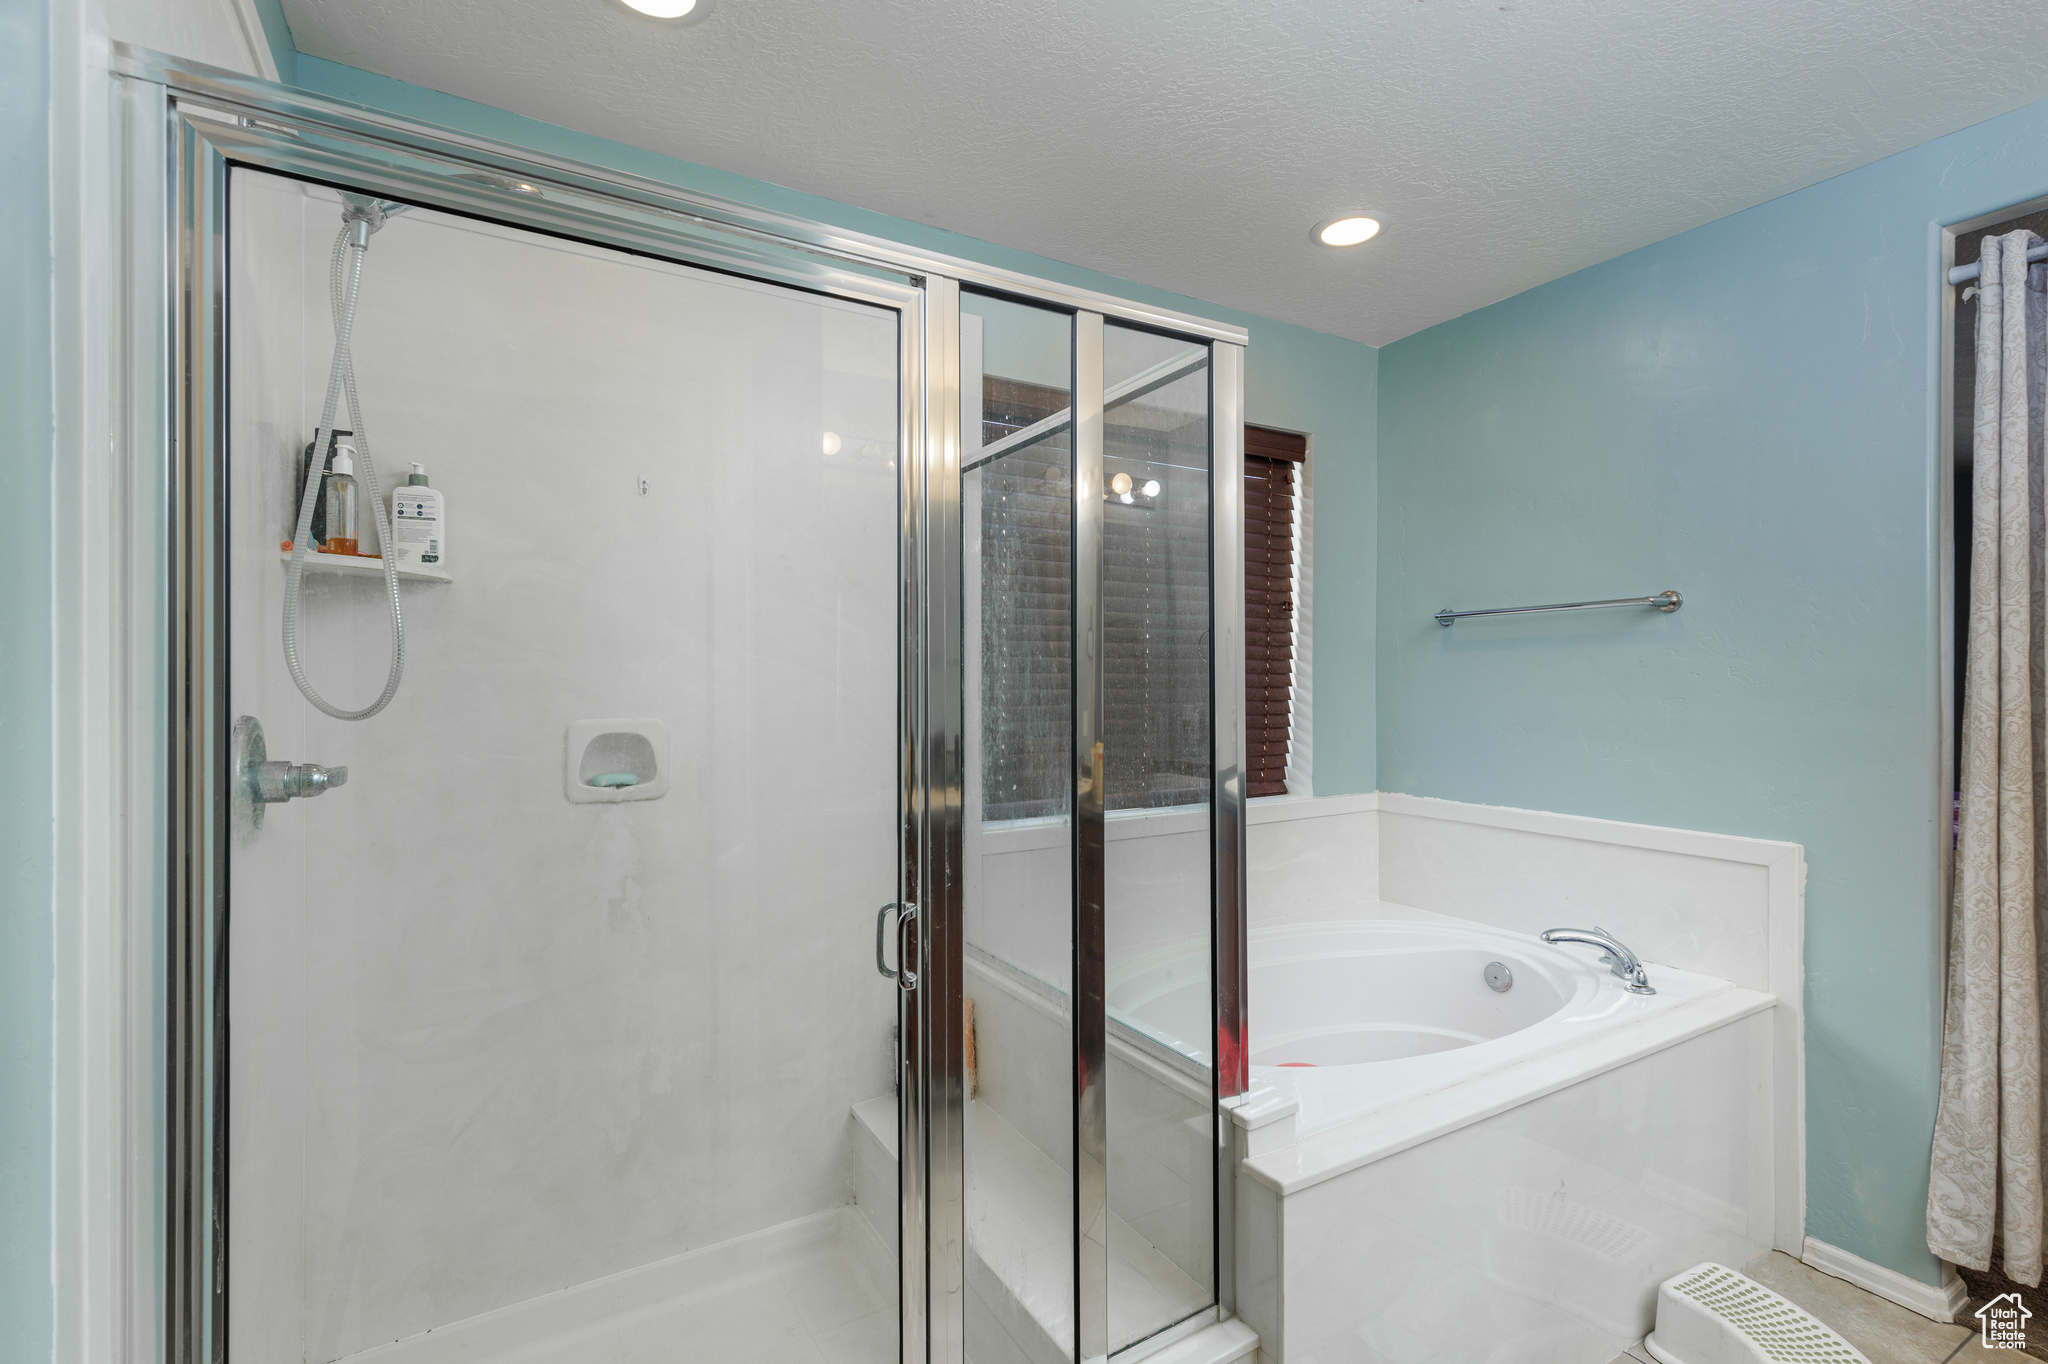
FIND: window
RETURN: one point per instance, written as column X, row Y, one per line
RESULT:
column 1155, row 590
column 1272, row 460
column 1026, row 590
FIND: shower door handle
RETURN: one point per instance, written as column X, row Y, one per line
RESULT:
column 881, row 918
column 906, row 951
column 904, row 977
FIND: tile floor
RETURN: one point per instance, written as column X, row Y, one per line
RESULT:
column 1885, row 1332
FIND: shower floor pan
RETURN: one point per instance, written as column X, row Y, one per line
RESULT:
column 819, row 1290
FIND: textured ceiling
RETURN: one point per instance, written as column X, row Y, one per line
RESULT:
column 1191, row 144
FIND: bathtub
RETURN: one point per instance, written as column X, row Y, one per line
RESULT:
column 1431, row 1169
column 1357, row 1016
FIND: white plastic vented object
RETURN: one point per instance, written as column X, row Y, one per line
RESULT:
column 1712, row 1315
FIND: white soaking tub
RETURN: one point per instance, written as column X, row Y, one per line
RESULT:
column 1355, row 1016
column 1431, row 1169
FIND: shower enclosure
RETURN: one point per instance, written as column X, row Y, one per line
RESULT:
column 823, row 699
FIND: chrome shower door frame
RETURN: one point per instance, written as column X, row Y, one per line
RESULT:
column 1090, row 806
column 207, row 136
column 934, row 1205
column 1229, row 939
column 186, row 126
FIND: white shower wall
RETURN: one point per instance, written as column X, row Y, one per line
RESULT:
column 486, row 1043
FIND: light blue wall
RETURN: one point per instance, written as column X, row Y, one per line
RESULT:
column 1296, row 379
column 277, row 33
column 27, row 964
column 1747, row 413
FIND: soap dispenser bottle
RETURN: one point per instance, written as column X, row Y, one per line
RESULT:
column 419, row 522
column 307, row 469
column 340, row 499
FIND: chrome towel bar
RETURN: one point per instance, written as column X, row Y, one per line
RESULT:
column 1663, row 601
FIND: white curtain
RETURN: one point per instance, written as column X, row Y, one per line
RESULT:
column 1987, row 1177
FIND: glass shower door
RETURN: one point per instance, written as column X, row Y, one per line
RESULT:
column 555, row 1031
column 1158, row 726
column 1087, row 574
column 1018, row 831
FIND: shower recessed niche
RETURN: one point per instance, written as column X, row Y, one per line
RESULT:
column 609, row 761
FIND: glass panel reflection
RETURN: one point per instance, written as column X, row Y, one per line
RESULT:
column 1017, row 564
column 1157, row 701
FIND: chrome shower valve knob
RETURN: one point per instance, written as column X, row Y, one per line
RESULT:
column 259, row 782
column 278, row 781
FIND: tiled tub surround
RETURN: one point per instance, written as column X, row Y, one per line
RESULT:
column 1596, row 1145
column 1156, row 889
column 1537, row 1233
column 1519, row 1198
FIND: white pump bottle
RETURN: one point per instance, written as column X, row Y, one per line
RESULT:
column 419, row 523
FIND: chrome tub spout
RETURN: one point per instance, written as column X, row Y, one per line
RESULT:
column 1617, row 957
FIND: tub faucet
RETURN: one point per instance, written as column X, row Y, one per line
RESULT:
column 1619, row 959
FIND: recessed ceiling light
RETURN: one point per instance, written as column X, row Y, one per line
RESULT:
column 678, row 11
column 1349, row 230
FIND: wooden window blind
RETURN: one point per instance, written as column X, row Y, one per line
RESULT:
column 1271, row 459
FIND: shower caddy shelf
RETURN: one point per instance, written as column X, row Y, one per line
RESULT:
column 356, row 563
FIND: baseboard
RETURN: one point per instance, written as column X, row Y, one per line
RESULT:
column 1936, row 1302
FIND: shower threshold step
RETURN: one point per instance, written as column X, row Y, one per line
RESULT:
column 366, row 563
column 1019, row 1240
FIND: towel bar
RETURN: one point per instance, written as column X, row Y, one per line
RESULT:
column 1664, row 601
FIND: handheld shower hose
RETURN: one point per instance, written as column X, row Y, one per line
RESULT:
column 359, row 219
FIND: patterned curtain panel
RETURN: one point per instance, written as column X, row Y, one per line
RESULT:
column 1986, row 1187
